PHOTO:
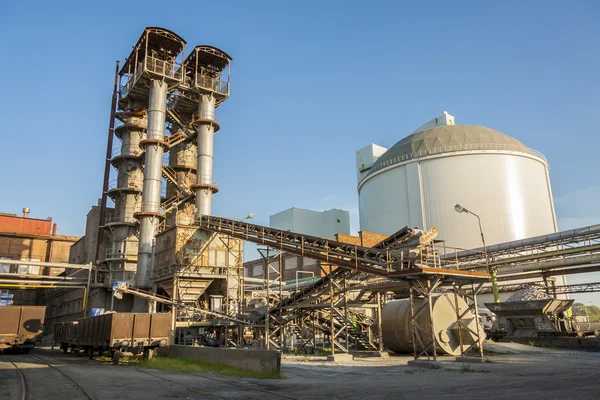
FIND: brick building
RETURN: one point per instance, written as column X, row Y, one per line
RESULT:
column 30, row 239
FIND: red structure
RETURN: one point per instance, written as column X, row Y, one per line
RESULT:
column 13, row 223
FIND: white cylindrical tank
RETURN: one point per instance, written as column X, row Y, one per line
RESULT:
column 397, row 329
column 418, row 181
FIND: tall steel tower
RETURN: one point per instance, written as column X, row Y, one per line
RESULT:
column 149, row 72
column 206, row 66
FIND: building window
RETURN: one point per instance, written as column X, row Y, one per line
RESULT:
column 5, row 268
column 29, row 269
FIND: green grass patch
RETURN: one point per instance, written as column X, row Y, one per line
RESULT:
column 468, row 368
column 204, row 366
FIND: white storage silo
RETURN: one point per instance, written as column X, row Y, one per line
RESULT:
column 418, row 181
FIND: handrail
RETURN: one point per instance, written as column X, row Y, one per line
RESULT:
column 460, row 147
column 130, row 150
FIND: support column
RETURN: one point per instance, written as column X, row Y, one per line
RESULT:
column 150, row 212
column 204, row 186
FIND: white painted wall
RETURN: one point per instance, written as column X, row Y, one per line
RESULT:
column 365, row 158
column 509, row 191
column 315, row 223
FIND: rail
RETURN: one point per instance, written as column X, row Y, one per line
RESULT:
column 449, row 149
column 130, row 150
column 166, row 68
column 120, row 255
column 129, row 185
column 213, row 84
column 151, row 206
column 126, row 216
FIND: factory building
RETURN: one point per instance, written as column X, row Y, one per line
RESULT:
column 327, row 224
column 315, row 223
column 418, row 181
column 30, row 239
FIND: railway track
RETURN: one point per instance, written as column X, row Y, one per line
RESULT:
column 23, row 382
column 227, row 383
column 25, row 395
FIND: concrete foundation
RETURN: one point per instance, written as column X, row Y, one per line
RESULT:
column 249, row 359
column 342, row 357
column 471, row 360
column 586, row 343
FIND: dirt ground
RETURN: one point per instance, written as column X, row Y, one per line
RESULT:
column 515, row 372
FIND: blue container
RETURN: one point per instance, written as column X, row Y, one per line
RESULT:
column 97, row 311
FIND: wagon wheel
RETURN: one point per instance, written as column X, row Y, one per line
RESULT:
column 116, row 357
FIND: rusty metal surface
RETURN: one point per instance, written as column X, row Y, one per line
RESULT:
column 21, row 324
column 25, row 225
column 141, row 326
column 161, row 327
column 109, row 330
column 66, row 332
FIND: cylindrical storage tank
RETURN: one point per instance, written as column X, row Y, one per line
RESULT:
column 418, row 181
column 397, row 328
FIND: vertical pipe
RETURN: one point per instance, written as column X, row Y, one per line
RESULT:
column 281, row 330
column 332, row 327
column 87, row 292
column 267, row 311
column 431, row 329
column 152, row 182
column 379, row 331
column 346, row 322
column 476, row 307
column 109, row 144
column 413, row 320
column 204, row 161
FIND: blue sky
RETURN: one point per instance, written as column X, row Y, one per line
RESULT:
column 311, row 83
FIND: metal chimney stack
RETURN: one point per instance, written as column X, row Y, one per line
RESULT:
column 25, row 212
column 209, row 68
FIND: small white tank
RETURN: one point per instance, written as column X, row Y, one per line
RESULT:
column 397, row 330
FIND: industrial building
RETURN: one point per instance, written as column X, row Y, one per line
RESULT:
column 315, row 223
column 153, row 245
column 30, row 239
column 418, row 181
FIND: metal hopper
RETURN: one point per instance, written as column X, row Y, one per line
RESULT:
column 531, row 318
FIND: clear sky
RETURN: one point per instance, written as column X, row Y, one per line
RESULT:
column 312, row 82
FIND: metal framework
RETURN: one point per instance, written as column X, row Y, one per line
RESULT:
column 561, row 249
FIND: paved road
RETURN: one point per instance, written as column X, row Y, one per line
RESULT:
column 515, row 376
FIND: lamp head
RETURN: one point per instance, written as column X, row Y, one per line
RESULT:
column 460, row 209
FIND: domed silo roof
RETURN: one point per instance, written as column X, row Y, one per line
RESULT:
column 449, row 138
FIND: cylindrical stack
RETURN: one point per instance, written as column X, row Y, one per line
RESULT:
column 182, row 159
column 204, row 186
column 150, row 213
column 121, row 253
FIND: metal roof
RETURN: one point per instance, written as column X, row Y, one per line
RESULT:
column 158, row 38
column 446, row 139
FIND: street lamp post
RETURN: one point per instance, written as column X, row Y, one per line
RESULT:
column 460, row 209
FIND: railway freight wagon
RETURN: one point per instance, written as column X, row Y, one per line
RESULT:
column 65, row 333
column 119, row 332
column 20, row 327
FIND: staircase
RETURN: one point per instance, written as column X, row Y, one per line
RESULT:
column 183, row 133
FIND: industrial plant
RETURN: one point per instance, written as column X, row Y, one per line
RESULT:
column 458, row 244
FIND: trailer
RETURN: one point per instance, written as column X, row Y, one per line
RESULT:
column 124, row 332
column 65, row 334
column 20, row 327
